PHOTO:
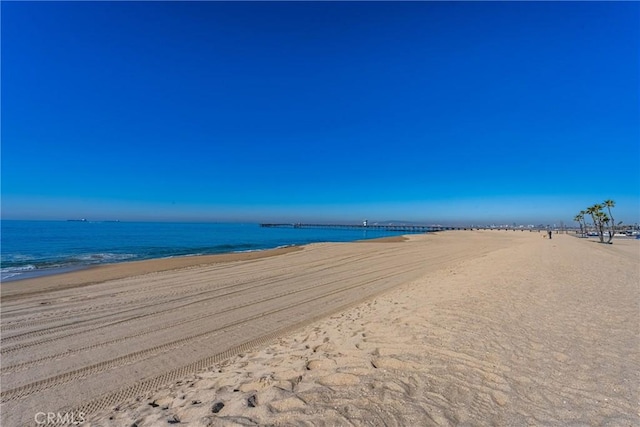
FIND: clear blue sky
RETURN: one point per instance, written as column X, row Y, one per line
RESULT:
column 424, row 111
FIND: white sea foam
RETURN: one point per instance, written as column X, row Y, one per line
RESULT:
column 263, row 249
column 17, row 269
column 103, row 257
column 9, row 272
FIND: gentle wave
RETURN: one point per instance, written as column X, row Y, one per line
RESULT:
column 16, row 268
column 5, row 258
column 263, row 249
column 103, row 257
column 9, row 272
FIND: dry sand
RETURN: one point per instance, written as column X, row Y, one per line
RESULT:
column 455, row 328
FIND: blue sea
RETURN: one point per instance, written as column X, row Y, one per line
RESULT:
column 35, row 248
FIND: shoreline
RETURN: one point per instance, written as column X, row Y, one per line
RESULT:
column 91, row 274
column 39, row 261
column 53, row 271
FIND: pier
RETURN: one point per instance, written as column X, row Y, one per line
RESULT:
column 384, row 227
column 411, row 228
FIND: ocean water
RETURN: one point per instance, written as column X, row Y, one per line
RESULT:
column 34, row 248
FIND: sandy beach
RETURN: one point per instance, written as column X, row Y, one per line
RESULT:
column 458, row 328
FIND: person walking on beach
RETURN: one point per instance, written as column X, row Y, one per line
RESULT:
column 550, row 233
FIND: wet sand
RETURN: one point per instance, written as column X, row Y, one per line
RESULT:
column 455, row 328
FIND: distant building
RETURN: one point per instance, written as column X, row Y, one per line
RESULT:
column 365, row 222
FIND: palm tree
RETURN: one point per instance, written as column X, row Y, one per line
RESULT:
column 582, row 214
column 591, row 211
column 595, row 212
column 603, row 220
column 610, row 204
column 578, row 218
